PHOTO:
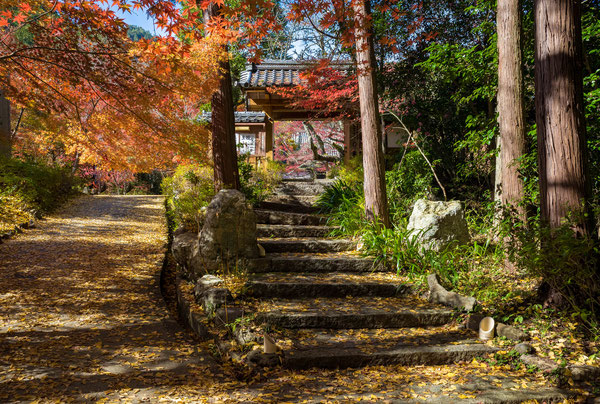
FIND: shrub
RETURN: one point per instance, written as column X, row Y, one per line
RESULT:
column 569, row 265
column 41, row 186
column 257, row 184
column 13, row 212
column 190, row 189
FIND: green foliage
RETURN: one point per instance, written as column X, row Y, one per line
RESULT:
column 336, row 194
column 408, row 181
column 136, row 33
column 43, row 187
column 569, row 265
column 190, row 189
column 258, row 183
column 399, row 248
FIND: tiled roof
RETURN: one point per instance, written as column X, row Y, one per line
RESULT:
column 277, row 73
column 240, row 117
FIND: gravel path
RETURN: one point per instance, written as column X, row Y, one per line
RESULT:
column 81, row 315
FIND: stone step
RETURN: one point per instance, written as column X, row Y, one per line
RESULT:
column 313, row 245
column 300, row 188
column 287, row 207
column 289, row 286
column 357, row 312
column 286, row 230
column 303, row 200
column 349, row 348
column 318, row 263
column 279, row 217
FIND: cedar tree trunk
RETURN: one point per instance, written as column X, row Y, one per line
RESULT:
column 5, row 135
column 562, row 150
column 224, row 151
column 374, row 170
column 510, row 104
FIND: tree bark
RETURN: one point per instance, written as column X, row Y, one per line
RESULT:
column 562, row 149
column 374, row 171
column 224, row 152
column 510, row 104
column 5, row 132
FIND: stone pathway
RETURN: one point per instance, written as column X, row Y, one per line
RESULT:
column 82, row 319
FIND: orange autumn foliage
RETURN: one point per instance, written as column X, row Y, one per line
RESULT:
column 114, row 102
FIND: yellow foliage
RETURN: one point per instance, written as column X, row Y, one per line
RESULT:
column 13, row 212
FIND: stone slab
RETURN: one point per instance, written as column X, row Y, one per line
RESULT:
column 285, row 230
column 314, row 245
column 279, row 217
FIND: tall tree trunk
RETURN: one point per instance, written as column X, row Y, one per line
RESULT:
column 5, row 133
column 226, row 173
column 498, row 188
column 374, row 170
column 562, row 149
column 510, row 104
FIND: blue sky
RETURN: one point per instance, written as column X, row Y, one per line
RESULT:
column 140, row 19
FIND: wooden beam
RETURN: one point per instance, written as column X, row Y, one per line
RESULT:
column 269, row 140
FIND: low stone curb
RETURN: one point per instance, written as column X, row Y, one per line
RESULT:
column 193, row 319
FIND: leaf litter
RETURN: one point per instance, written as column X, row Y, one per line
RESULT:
column 82, row 319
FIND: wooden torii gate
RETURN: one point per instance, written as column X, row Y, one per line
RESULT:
column 255, row 82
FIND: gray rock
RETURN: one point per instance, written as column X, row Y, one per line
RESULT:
column 215, row 298
column 208, row 281
column 437, row 224
column 510, row 332
column 228, row 314
column 544, row 364
column 438, row 294
column 473, row 320
column 244, row 335
column 209, row 293
column 183, row 247
column 228, row 233
column 584, row 373
column 262, row 359
column 523, row 348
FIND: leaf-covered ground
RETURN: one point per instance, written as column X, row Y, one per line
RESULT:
column 82, row 319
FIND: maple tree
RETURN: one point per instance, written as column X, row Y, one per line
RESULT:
column 121, row 103
column 307, row 146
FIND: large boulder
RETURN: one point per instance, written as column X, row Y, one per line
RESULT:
column 228, row 235
column 438, row 224
column 183, row 246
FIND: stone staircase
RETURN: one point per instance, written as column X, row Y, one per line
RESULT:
column 327, row 307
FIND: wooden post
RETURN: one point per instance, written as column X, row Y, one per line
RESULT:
column 269, row 139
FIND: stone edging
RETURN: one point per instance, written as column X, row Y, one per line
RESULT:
column 192, row 318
